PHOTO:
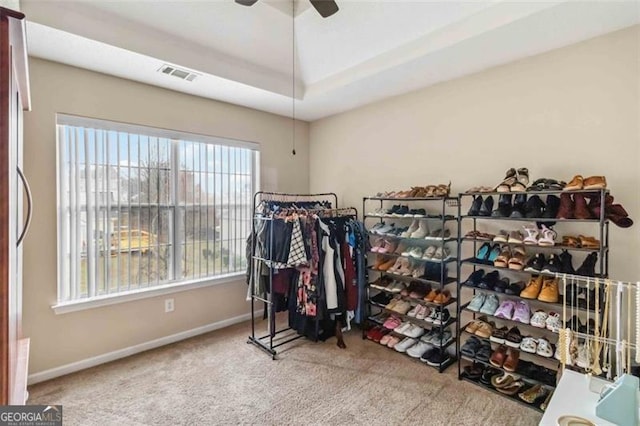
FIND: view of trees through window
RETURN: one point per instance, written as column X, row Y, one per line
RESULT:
column 138, row 211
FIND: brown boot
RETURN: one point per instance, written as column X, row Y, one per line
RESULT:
column 594, row 203
column 566, row 207
column 581, row 209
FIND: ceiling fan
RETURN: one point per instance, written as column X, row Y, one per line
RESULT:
column 325, row 8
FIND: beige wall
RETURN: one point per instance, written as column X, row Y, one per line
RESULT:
column 57, row 340
column 572, row 110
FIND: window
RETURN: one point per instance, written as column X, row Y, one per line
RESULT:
column 141, row 207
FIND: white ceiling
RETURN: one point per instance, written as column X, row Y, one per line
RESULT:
column 368, row 51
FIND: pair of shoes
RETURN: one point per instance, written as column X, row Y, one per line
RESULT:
column 504, row 357
column 508, row 206
column 419, row 312
column 480, row 206
column 506, row 383
column 377, row 333
column 516, row 180
column 545, row 184
column 481, row 327
column 478, row 189
column 581, row 241
column 437, row 338
column 545, row 289
column 438, row 316
column 410, row 330
column 477, row 235
column 484, row 303
column 394, row 287
column 436, row 357
column 510, row 237
column 545, row 237
column 514, row 311
column 512, row 258
column 550, row 321
column 540, row 346
column 488, row 253
column 384, row 246
column 533, row 394
column 416, row 290
column 381, row 283
column 592, row 182
column 574, row 206
column 417, row 229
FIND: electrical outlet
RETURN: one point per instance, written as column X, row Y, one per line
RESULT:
column 168, row 305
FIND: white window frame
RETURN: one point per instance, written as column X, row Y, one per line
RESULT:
column 174, row 286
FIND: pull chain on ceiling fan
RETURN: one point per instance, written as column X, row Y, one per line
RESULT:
column 325, row 8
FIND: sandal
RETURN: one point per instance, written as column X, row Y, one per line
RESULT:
column 513, row 388
column 589, row 242
column 532, row 235
column 516, row 262
column 474, row 325
column 509, row 179
column 522, row 180
column 548, row 237
column 570, row 241
column 502, row 261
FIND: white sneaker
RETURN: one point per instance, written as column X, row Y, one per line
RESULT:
column 429, row 252
column 416, row 252
column 384, row 229
column 544, row 348
column 539, row 319
column 402, row 327
column 413, row 228
column 422, row 231
column 422, row 313
column 553, row 322
column 418, row 349
column 414, row 311
column 529, row 345
column 441, row 254
column 414, row 331
column 405, row 344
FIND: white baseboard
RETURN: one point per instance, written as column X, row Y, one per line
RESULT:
column 131, row 350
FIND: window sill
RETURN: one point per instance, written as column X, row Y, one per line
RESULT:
column 96, row 302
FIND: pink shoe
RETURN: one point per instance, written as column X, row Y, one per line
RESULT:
column 393, row 341
column 522, row 313
column 391, row 322
column 386, row 247
column 378, row 246
column 505, row 310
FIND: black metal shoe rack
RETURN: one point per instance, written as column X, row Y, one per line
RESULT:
column 274, row 338
column 470, row 264
column 441, row 211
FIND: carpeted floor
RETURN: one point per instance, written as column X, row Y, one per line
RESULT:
column 219, row 379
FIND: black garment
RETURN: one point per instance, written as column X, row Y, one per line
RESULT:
column 274, row 239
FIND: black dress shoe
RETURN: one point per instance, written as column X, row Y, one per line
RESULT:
column 487, row 206
column 534, row 207
column 474, row 278
column 519, row 206
column 515, row 289
column 475, row 206
column 488, row 282
column 501, row 285
column 504, row 206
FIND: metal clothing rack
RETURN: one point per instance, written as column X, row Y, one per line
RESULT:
column 276, row 338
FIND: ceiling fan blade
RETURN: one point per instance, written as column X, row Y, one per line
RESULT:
column 324, row 7
column 246, row 2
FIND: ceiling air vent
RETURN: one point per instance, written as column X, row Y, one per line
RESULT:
column 177, row 72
